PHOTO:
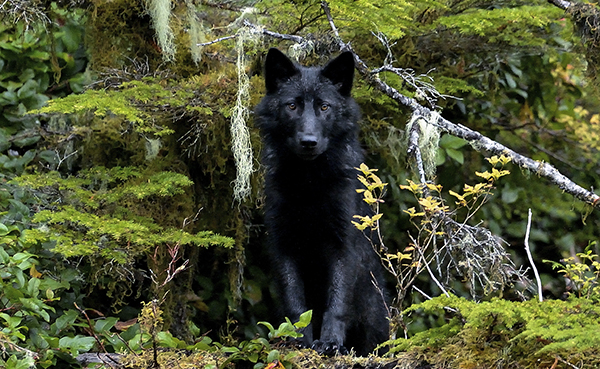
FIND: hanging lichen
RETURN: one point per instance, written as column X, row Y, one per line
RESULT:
column 160, row 12
column 240, row 135
column 196, row 32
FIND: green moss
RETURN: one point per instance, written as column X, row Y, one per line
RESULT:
column 519, row 334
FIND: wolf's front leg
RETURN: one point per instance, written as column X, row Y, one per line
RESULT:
column 338, row 311
column 293, row 292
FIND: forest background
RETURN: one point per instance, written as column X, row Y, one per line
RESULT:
column 130, row 190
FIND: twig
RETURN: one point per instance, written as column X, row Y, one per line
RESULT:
column 98, row 341
column 217, row 40
column 426, row 263
column 566, row 362
column 535, row 271
column 448, row 308
column 381, row 294
column 61, row 160
column 422, row 293
column 264, row 31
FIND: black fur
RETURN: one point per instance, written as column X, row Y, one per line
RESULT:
column 308, row 122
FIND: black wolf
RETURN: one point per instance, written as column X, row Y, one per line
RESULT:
column 308, row 122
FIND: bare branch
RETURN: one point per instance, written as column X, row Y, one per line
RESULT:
column 266, row 32
column 217, row 40
column 535, row 271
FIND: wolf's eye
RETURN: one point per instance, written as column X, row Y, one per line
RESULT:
column 292, row 106
column 324, row 107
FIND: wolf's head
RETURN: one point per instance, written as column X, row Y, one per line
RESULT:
column 307, row 107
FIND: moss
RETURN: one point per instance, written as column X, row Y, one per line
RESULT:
column 119, row 31
column 516, row 334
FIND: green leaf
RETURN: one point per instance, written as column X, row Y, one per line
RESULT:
column 28, row 89
column 510, row 80
column 452, row 142
column 305, row 319
column 166, row 339
column 106, row 324
column 456, row 155
column 33, row 287
column 4, row 142
column 65, row 320
column 3, row 230
column 272, row 356
column 4, row 257
column 71, row 37
column 77, row 344
column 25, row 363
column 12, row 293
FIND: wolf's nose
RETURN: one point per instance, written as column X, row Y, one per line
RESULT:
column 308, row 142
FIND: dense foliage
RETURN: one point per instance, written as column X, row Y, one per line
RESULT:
column 122, row 225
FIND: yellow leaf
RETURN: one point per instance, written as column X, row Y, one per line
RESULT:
column 432, row 187
column 459, row 197
column 34, row 273
column 364, row 169
column 360, row 227
column 413, row 213
column 486, row 174
column 369, row 199
column 364, row 181
column 412, row 187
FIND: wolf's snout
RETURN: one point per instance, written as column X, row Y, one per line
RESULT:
column 308, row 142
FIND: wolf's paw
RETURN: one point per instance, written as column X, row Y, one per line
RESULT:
column 328, row 348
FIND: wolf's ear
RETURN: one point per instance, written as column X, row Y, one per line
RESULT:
column 341, row 71
column 277, row 68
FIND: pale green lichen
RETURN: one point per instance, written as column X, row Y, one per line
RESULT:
column 196, row 32
column 160, row 12
column 240, row 135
